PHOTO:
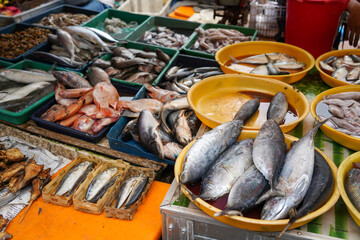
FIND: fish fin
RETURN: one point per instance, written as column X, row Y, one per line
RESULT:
column 234, row 60
column 229, row 212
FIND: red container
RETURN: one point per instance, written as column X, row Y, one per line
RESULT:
column 312, row 24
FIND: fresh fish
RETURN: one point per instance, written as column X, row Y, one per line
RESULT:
column 105, row 95
column 167, row 108
column 161, row 94
column 262, row 59
column 269, row 151
column 206, row 69
column 355, row 58
column 24, row 91
column 125, row 190
column 97, row 75
column 68, row 122
column 162, row 56
column 342, row 123
column 172, row 150
column 207, row 149
column 326, row 66
column 296, row 174
column 320, row 190
column 83, row 123
column 244, row 193
column 123, row 52
column 273, row 70
column 24, row 76
column 223, row 173
column 273, row 209
column 290, row 65
column 74, row 93
column 136, row 191
column 119, row 64
column 247, row 110
column 353, row 75
column 53, row 59
column 140, row 77
column 71, row 79
column 194, row 122
column 131, row 191
column 278, row 107
column 169, row 74
column 338, row 63
column 330, row 59
column 260, row 70
column 66, row 41
column 105, row 36
column 352, row 187
column 130, row 131
column 103, row 122
column 336, row 111
column 182, row 130
column 337, row 102
column 139, row 105
column 74, row 178
column 149, row 135
column 100, row 184
column 340, row 73
column 345, row 96
column 101, row 63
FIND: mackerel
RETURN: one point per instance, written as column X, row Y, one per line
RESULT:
column 100, row 184
column 278, row 107
column 23, row 76
column 136, row 191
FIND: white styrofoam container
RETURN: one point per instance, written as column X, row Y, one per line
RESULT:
column 147, row 7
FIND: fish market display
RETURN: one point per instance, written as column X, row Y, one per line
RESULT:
column 346, row 68
column 115, row 25
column 81, row 106
column 60, row 20
column 100, row 184
column 343, row 110
column 133, row 65
column 131, row 191
column 181, row 79
column 17, row 43
column 213, row 39
column 352, row 186
column 266, row 64
column 165, row 37
column 74, row 46
column 22, row 88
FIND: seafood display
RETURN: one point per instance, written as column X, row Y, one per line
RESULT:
column 352, row 185
column 134, row 65
column 131, row 190
column 181, row 79
column 346, row 68
column 60, row 20
column 165, row 37
column 116, row 26
column 81, row 106
column 212, row 39
column 17, row 43
column 74, row 46
column 343, row 110
column 22, row 88
column 266, row 64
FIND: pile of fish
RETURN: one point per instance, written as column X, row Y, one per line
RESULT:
column 60, row 20
column 116, row 25
column 345, row 110
column 134, row 65
column 352, row 185
column 213, row 39
column 163, row 124
column 22, row 88
column 345, row 68
column 14, row 44
column 268, row 64
column 163, row 36
column 131, row 190
column 255, row 170
column 82, row 106
column 181, row 79
column 74, row 46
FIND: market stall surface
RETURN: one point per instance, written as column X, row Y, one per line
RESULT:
column 49, row 221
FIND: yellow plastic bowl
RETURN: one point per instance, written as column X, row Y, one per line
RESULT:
column 233, row 83
column 344, row 168
column 339, row 137
column 328, row 79
column 261, row 47
column 258, row 224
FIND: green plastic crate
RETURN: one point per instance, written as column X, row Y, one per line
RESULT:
column 179, row 26
column 24, row 115
column 5, row 64
column 171, row 52
column 189, row 51
column 99, row 20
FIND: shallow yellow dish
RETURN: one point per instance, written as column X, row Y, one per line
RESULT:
column 344, row 168
column 217, row 89
column 328, row 79
column 260, row 47
column 339, row 137
column 251, row 223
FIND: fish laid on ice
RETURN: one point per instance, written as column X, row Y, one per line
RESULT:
column 100, row 184
column 131, row 191
column 278, row 108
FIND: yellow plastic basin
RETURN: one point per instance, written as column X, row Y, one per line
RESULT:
column 219, row 89
column 339, row 137
column 258, row 224
column 261, row 47
column 328, row 79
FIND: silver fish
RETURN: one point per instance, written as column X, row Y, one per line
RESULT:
column 182, row 130
column 345, row 96
column 24, row 91
column 207, row 149
column 125, row 190
column 352, row 187
column 67, row 42
column 99, row 183
column 130, row 131
column 23, row 76
column 247, row 110
column 278, row 107
column 167, row 108
column 261, row 58
column 289, row 65
column 272, row 209
column 353, row 74
column 355, row 58
column 172, row 150
column 223, row 173
column 103, row 35
column 326, row 66
column 136, row 191
column 74, row 178
column 260, row 70
column 336, row 111
column 338, row 63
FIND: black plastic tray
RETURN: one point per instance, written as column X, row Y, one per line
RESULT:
column 18, row 27
column 73, row 132
column 62, row 8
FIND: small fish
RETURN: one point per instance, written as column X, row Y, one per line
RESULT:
column 326, row 66
column 161, row 94
column 130, row 131
column 345, row 96
column 105, row 36
column 83, row 123
column 330, row 59
column 131, row 191
column 355, row 58
column 353, row 75
column 260, row 70
column 101, row 63
column 340, row 73
column 103, row 122
column 74, row 178
column 182, row 130
column 71, row 79
column 273, row 70
column 167, row 108
column 97, row 75
column 162, row 56
column 66, row 41
column 247, row 110
column 262, row 59
column 278, row 107
column 290, row 65
column 172, row 150
column 53, row 59
column 153, row 105
column 100, row 184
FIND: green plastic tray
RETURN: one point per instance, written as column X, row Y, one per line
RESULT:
column 24, row 115
column 99, row 20
column 5, row 64
column 171, row 52
column 179, row 26
column 189, row 51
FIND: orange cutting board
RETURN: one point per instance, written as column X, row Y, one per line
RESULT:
column 174, row 15
column 185, row 11
column 54, row 222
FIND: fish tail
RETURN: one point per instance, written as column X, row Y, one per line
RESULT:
column 291, row 222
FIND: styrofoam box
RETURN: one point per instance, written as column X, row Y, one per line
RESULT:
column 152, row 8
